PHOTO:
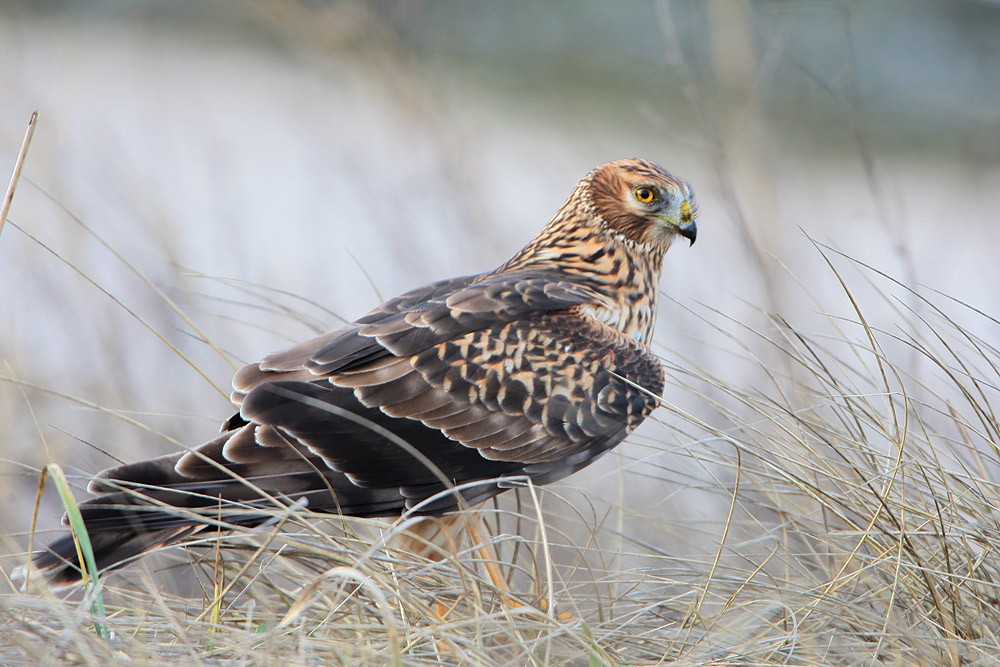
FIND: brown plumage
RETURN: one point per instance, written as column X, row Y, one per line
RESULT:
column 534, row 369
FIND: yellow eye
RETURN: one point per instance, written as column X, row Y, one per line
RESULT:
column 645, row 194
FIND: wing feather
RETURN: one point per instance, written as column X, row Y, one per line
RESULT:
column 485, row 377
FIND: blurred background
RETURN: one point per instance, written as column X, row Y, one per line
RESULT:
column 269, row 167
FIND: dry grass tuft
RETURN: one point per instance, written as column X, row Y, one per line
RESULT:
column 861, row 487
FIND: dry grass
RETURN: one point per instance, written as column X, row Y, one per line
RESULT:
column 861, row 529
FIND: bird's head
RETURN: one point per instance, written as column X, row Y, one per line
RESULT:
column 642, row 201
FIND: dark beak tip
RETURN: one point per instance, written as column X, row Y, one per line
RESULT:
column 690, row 232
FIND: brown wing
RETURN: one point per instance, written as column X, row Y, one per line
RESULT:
column 411, row 323
column 488, row 378
column 531, row 391
column 293, row 358
column 502, row 377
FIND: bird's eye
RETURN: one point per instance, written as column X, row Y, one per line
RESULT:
column 645, row 194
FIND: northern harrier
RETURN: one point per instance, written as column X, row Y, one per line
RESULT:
column 435, row 398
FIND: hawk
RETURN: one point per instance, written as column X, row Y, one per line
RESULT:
column 438, row 399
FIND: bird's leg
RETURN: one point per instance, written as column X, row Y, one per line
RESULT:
column 433, row 539
column 475, row 527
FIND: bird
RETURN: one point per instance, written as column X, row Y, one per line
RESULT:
column 436, row 400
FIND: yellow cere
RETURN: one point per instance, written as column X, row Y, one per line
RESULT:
column 686, row 211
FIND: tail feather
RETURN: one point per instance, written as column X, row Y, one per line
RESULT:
column 59, row 564
column 137, row 518
column 158, row 502
column 125, row 525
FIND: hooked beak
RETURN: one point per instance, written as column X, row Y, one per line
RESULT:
column 687, row 228
column 688, row 231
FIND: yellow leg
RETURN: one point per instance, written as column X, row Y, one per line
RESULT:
column 485, row 550
column 475, row 528
column 433, row 539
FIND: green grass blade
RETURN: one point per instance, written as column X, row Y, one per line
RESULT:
column 85, row 550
